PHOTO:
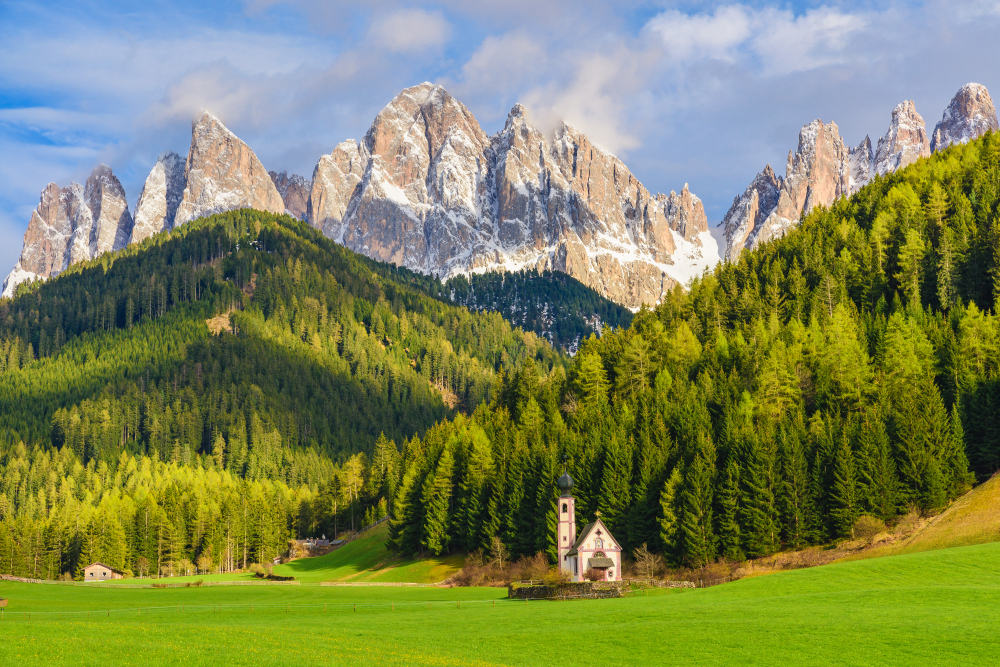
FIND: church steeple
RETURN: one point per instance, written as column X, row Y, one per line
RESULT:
column 566, row 530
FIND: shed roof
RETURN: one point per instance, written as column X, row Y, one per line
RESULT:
column 104, row 566
column 600, row 562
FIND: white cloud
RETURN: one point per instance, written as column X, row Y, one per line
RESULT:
column 594, row 101
column 410, row 31
column 779, row 41
column 820, row 37
column 503, row 62
column 716, row 36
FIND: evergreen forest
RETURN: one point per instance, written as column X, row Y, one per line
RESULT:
column 243, row 380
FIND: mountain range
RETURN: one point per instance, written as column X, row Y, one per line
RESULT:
column 824, row 168
column 428, row 189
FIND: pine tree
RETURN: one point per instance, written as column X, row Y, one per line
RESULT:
column 877, row 470
column 844, row 506
column 757, row 511
column 436, row 500
column 698, row 538
column 794, row 498
column 615, row 496
column 730, row 539
column 669, row 522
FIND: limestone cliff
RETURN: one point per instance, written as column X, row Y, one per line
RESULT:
column 428, row 189
column 970, row 115
column 223, row 174
column 72, row 224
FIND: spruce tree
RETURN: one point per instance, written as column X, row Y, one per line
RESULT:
column 844, row 506
column 436, row 500
column 730, row 539
column 670, row 511
column 698, row 538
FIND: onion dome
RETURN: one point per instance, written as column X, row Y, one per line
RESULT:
column 566, row 484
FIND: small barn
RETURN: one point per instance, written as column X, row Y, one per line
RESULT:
column 101, row 572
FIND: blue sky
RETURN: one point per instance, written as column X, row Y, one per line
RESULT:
column 692, row 92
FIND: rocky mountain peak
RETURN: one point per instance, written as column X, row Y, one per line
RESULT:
column 222, row 174
column 969, row 115
column 862, row 163
column 160, row 196
column 427, row 188
column 904, row 142
column 294, row 191
column 816, row 173
column 72, row 224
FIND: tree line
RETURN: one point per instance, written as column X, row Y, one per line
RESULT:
column 847, row 369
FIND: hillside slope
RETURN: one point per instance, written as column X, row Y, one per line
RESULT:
column 972, row 519
column 366, row 559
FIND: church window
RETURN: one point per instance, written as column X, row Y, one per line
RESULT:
column 599, row 554
column 598, row 543
column 565, row 508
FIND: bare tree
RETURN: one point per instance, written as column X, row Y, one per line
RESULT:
column 499, row 553
column 646, row 562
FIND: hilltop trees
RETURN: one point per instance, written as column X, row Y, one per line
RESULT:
column 848, row 369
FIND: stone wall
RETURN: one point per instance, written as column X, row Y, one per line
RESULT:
column 584, row 589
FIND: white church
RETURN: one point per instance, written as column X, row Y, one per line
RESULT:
column 595, row 549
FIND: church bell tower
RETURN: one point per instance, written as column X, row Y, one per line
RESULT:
column 566, row 532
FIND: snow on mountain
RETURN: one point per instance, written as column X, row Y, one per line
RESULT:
column 905, row 141
column 428, row 189
column 970, row 115
column 160, row 197
column 72, row 224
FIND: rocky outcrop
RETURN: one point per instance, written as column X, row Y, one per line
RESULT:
column 223, row 174
column 821, row 170
column 904, row 142
column 862, row 165
column 428, row 189
column 970, row 115
column 161, row 195
column 816, row 174
column 749, row 211
column 294, row 192
column 72, row 224
column 685, row 213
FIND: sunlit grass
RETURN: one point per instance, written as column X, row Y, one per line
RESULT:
column 930, row 608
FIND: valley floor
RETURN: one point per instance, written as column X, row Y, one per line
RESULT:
column 938, row 607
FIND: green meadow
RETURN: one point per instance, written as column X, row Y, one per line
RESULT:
column 931, row 608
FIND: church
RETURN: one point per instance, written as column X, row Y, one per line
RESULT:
column 595, row 548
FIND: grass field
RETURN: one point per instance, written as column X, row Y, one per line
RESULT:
column 366, row 559
column 931, row 608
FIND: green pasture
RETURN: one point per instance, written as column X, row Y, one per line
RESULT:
column 366, row 559
column 932, row 608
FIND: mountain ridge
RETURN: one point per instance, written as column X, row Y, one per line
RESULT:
column 822, row 168
column 426, row 188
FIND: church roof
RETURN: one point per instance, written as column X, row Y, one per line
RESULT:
column 600, row 562
column 585, row 533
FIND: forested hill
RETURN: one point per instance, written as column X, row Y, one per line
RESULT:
column 848, row 368
column 115, row 354
column 552, row 304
